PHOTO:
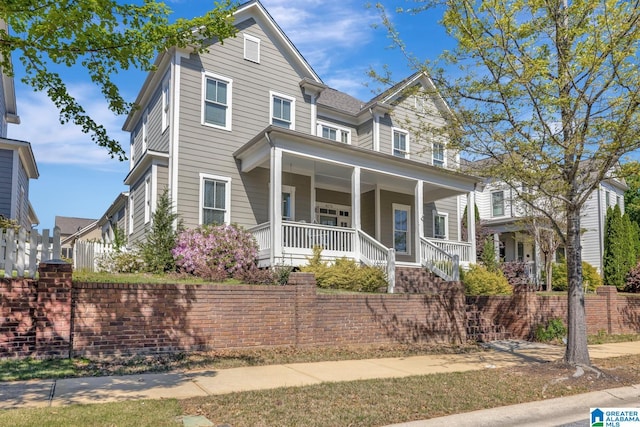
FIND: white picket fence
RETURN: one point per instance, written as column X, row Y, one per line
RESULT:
column 87, row 254
column 22, row 251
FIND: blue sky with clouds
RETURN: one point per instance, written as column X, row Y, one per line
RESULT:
column 341, row 39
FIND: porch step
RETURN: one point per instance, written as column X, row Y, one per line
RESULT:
column 482, row 330
column 418, row 280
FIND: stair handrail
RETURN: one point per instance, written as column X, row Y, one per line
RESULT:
column 439, row 261
column 372, row 252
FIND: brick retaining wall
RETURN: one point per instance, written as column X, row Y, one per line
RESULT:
column 53, row 317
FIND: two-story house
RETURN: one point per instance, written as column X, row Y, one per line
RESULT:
column 17, row 162
column 248, row 133
column 504, row 215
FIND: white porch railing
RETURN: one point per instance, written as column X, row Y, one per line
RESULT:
column 375, row 253
column 306, row 236
column 22, row 251
column 439, row 261
column 299, row 239
column 462, row 249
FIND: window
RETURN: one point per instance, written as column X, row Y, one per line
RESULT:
column 283, row 111
column 402, row 229
column 400, row 143
column 437, row 154
column 497, row 203
column 440, row 225
column 334, row 133
column 217, row 102
column 288, row 202
column 251, row 48
column 165, row 102
column 215, row 200
column 607, row 199
column 147, row 199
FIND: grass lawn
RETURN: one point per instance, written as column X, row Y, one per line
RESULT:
column 356, row 403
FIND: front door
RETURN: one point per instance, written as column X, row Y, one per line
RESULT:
column 333, row 214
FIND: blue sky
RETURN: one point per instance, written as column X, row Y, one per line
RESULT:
column 340, row 39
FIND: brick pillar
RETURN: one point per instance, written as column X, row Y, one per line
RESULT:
column 305, row 307
column 53, row 310
column 613, row 317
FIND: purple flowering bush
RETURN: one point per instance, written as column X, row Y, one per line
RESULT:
column 216, row 252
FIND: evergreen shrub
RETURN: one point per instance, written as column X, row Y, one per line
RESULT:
column 480, row 281
column 590, row 277
column 345, row 274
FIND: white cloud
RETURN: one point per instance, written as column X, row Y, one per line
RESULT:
column 53, row 142
column 326, row 33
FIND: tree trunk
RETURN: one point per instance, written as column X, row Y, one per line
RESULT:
column 577, row 352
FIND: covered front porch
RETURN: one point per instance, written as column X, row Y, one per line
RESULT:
column 364, row 205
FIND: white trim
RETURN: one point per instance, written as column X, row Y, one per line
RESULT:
column 404, row 132
column 314, row 115
column 131, row 213
column 289, row 98
column 378, row 214
column 338, row 129
column 228, row 116
column 227, row 195
column 251, row 39
column 434, row 214
column 174, row 124
column 147, row 199
column 376, row 132
column 166, row 100
column 145, row 130
column 399, row 207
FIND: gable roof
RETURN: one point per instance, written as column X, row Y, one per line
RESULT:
column 9, row 91
column 251, row 9
column 71, row 225
column 26, row 155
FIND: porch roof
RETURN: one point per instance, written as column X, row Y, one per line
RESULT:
column 314, row 150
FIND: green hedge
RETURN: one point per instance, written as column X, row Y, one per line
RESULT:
column 480, row 281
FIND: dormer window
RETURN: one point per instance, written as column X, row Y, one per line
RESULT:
column 334, row 133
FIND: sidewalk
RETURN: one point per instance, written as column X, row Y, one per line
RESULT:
column 181, row 385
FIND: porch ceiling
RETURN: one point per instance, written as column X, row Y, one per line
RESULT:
column 332, row 163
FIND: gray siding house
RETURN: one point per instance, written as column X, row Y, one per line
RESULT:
column 17, row 163
column 503, row 213
column 248, row 133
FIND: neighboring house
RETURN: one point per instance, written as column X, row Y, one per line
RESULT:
column 74, row 229
column 115, row 217
column 503, row 214
column 249, row 134
column 17, row 163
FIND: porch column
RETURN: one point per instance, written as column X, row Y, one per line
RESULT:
column 275, row 202
column 356, row 208
column 419, row 218
column 471, row 225
column 496, row 245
